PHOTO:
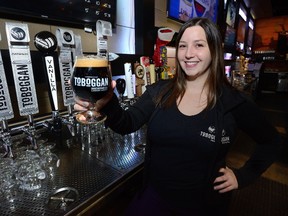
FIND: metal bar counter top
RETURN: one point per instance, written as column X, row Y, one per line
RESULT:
column 91, row 169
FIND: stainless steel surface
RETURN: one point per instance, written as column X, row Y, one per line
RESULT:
column 90, row 168
column 63, row 197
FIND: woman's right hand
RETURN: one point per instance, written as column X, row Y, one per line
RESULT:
column 82, row 105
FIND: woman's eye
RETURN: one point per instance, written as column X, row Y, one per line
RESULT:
column 182, row 46
column 199, row 45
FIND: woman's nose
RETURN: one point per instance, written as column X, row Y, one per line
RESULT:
column 190, row 52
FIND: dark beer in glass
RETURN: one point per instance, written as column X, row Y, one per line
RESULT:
column 91, row 81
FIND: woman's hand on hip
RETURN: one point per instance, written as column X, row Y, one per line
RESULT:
column 226, row 182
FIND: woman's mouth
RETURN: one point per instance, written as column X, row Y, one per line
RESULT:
column 191, row 63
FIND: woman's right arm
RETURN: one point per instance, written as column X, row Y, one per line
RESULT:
column 127, row 121
column 124, row 121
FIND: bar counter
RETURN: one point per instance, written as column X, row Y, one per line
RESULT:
column 92, row 172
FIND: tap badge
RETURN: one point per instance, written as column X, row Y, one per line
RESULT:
column 18, row 33
column 67, row 37
column 45, row 41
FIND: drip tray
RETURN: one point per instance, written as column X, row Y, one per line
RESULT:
column 62, row 198
column 85, row 171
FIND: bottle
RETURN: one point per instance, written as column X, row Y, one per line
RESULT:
column 152, row 71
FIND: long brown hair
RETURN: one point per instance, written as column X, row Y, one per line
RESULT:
column 216, row 77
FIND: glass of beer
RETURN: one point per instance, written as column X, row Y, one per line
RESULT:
column 91, row 81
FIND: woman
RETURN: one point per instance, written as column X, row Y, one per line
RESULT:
column 192, row 122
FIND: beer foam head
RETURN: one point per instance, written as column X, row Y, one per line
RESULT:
column 91, row 62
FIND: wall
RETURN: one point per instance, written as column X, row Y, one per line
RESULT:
column 88, row 40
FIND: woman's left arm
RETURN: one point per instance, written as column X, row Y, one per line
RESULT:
column 251, row 120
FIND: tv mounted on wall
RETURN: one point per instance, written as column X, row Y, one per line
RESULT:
column 230, row 37
column 74, row 13
column 231, row 13
column 241, row 30
column 183, row 10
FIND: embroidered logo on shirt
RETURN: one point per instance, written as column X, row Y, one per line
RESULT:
column 210, row 134
column 225, row 139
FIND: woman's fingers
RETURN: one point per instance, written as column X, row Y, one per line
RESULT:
column 82, row 105
column 78, row 107
column 226, row 182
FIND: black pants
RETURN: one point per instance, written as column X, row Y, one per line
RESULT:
column 150, row 203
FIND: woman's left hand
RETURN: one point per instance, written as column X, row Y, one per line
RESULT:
column 226, row 182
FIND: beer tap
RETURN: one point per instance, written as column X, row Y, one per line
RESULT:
column 46, row 43
column 18, row 42
column 6, row 139
column 31, row 132
column 6, row 111
column 69, row 47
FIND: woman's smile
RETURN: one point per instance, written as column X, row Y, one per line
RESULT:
column 191, row 64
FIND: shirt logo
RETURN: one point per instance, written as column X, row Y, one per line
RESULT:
column 210, row 134
column 225, row 139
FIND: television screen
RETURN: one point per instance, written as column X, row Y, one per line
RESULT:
column 231, row 13
column 71, row 13
column 230, row 36
column 241, row 30
column 250, row 37
column 183, row 10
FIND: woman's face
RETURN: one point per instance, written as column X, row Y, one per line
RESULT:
column 193, row 53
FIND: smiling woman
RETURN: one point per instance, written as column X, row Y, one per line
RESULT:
column 192, row 121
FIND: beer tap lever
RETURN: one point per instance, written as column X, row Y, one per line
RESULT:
column 55, row 125
column 7, row 140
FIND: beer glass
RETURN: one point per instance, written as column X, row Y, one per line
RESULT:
column 91, row 81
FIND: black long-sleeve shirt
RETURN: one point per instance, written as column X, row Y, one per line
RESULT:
column 185, row 153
